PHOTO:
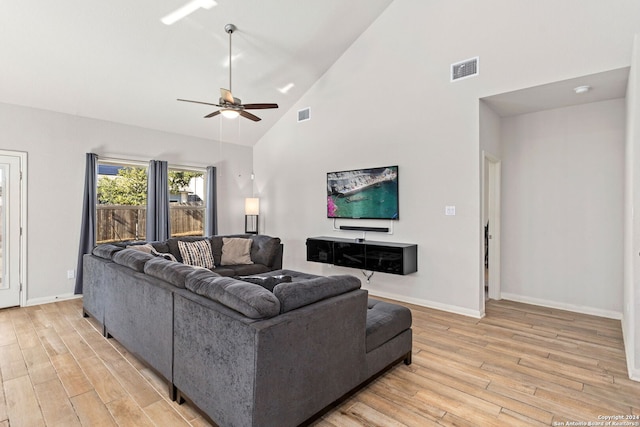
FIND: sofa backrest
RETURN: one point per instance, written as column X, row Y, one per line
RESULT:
column 132, row 258
column 264, row 249
column 249, row 299
column 106, row 251
column 297, row 294
column 172, row 272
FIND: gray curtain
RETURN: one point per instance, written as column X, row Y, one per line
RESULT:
column 158, row 227
column 88, row 227
column 211, row 213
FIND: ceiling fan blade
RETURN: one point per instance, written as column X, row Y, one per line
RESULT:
column 215, row 113
column 226, row 95
column 249, row 116
column 259, row 106
column 199, row 102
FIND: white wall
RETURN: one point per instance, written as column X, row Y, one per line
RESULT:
column 388, row 100
column 56, row 145
column 631, row 312
column 490, row 130
column 490, row 144
column 562, row 207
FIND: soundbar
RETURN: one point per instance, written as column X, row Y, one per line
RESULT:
column 356, row 228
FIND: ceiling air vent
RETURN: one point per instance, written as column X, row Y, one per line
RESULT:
column 304, row 114
column 464, row 69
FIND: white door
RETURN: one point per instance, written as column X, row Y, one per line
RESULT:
column 11, row 201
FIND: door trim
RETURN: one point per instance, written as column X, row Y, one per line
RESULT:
column 22, row 238
column 490, row 188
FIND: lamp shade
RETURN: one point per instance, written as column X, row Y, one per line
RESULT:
column 252, row 206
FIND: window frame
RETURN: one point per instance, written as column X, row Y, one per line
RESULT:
column 140, row 224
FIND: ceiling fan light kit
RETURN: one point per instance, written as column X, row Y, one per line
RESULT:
column 232, row 107
column 229, row 114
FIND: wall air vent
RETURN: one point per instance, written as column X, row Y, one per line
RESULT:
column 304, row 114
column 462, row 70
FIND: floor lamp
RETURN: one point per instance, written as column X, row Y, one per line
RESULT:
column 251, row 212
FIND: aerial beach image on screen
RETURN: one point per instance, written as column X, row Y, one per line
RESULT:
column 363, row 193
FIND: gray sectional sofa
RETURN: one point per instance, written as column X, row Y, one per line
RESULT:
column 272, row 349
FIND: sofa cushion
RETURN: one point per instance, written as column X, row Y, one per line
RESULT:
column 161, row 247
column 150, row 249
column 216, row 248
column 172, row 272
column 296, row 276
column 267, row 282
column 196, row 253
column 298, row 294
column 385, row 321
column 198, row 273
column 228, row 271
column 251, row 300
column 264, row 249
column 105, row 251
column 247, row 269
column 236, row 251
column 132, row 259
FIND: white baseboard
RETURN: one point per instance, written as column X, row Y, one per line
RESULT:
column 426, row 303
column 48, row 300
column 563, row 306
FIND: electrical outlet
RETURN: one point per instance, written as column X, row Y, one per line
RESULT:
column 449, row 210
column 71, row 274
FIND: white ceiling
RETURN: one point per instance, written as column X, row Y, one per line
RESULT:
column 114, row 60
column 603, row 86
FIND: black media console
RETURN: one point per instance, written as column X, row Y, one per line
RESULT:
column 386, row 257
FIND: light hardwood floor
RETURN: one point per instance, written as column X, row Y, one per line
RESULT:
column 521, row 365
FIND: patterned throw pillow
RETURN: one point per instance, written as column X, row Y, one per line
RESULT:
column 196, row 253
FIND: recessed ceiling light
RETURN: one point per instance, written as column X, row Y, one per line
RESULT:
column 187, row 10
column 582, row 89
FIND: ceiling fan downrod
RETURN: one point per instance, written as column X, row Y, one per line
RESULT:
column 230, row 28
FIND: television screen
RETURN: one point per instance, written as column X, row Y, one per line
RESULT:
column 363, row 193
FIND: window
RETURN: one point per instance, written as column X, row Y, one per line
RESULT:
column 122, row 202
column 187, row 205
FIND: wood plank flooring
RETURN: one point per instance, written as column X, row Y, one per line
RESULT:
column 521, row 365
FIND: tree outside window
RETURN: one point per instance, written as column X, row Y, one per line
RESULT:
column 122, row 203
column 187, row 207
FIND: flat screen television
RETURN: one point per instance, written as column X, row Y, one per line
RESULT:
column 363, row 193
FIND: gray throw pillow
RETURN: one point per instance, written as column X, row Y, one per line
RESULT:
column 236, row 251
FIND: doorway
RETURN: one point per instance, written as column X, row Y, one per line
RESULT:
column 12, row 228
column 491, row 224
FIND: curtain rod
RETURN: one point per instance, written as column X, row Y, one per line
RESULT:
column 134, row 162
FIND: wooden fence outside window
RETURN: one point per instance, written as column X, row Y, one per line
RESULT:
column 116, row 223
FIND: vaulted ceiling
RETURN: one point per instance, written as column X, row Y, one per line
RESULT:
column 114, row 60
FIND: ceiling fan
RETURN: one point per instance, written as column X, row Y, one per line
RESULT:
column 232, row 107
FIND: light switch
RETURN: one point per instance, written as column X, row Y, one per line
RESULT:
column 449, row 210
